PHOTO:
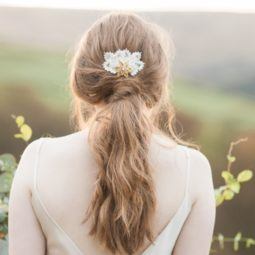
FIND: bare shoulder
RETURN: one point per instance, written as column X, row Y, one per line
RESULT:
column 199, row 161
column 25, row 168
column 73, row 138
column 201, row 175
column 54, row 146
column 28, row 156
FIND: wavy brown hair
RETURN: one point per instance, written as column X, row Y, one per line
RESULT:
column 116, row 110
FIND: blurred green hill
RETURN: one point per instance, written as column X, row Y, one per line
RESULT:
column 47, row 74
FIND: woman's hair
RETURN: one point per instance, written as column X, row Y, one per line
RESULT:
column 115, row 108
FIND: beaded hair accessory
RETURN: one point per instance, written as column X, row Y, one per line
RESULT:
column 123, row 62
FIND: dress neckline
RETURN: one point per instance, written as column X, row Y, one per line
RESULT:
column 170, row 222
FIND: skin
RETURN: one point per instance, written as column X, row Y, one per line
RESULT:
column 59, row 168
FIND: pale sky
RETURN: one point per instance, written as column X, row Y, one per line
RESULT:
column 150, row 5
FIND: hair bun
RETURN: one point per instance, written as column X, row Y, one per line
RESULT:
column 94, row 86
column 124, row 88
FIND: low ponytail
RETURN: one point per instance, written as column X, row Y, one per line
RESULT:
column 124, row 198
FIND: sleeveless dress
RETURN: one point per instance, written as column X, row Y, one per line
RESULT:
column 59, row 242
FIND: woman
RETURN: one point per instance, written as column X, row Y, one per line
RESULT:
column 123, row 183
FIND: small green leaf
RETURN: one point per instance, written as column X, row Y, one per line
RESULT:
column 227, row 176
column 3, row 216
column 18, row 135
column 218, row 197
column 20, row 120
column 7, row 162
column 249, row 242
column 3, row 207
column 244, row 176
column 5, row 182
column 221, row 241
column 235, row 187
column 228, row 194
column 237, row 238
column 231, row 158
column 26, row 131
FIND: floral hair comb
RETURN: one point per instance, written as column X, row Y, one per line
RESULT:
column 123, row 62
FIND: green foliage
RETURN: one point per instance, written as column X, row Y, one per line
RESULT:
column 244, row 176
column 227, row 191
column 236, row 240
column 8, row 166
column 25, row 130
column 232, row 183
column 3, row 247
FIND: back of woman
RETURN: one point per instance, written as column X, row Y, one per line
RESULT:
column 123, row 183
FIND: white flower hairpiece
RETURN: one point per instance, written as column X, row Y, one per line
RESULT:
column 123, row 62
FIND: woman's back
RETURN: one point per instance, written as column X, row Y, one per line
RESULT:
column 62, row 175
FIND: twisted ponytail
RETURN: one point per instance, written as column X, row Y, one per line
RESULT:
column 124, row 199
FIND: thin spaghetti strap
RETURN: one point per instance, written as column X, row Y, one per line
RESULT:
column 37, row 161
column 187, row 171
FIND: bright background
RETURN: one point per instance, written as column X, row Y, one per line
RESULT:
column 214, row 78
column 181, row 5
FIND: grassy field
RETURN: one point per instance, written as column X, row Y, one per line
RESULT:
column 47, row 73
column 44, row 71
column 214, row 105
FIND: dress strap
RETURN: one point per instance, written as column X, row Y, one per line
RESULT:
column 187, row 182
column 37, row 156
column 187, row 170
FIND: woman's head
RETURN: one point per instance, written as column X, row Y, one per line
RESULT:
column 123, row 203
column 120, row 30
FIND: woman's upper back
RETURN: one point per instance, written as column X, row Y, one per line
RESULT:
column 62, row 178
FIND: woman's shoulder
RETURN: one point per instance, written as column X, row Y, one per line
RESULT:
column 201, row 180
column 199, row 165
column 23, row 176
column 65, row 142
column 198, row 161
column 49, row 146
column 74, row 136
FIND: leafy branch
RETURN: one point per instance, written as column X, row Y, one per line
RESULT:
column 227, row 191
column 8, row 166
column 236, row 240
